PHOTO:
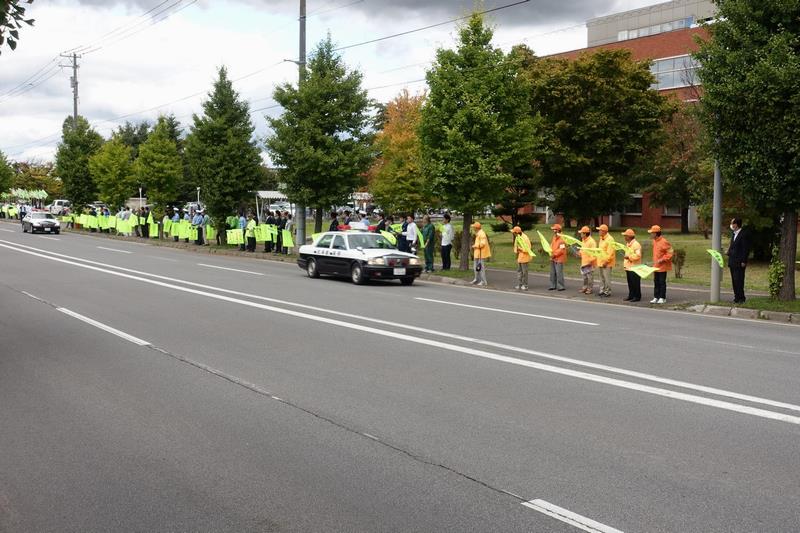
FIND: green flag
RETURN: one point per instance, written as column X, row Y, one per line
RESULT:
column 316, row 236
column 388, row 236
column 153, row 233
column 211, row 233
column 618, row 246
column 421, row 238
column 167, row 224
column 397, row 228
column 545, row 245
column 112, row 222
column 571, row 240
column 288, row 242
column 717, row 256
column 595, row 252
column 520, row 242
column 643, row 271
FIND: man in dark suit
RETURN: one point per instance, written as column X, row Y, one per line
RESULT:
column 738, row 253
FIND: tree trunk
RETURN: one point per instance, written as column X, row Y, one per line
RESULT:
column 221, row 231
column 567, row 222
column 318, row 220
column 465, row 243
column 788, row 253
column 684, row 220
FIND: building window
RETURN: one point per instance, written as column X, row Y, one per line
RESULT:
column 674, row 72
column 634, row 207
column 655, row 29
column 672, row 211
column 623, row 35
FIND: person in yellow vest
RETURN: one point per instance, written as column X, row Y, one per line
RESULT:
column 522, row 247
column 607, row 261
column 480, row 252
column 250, row 233
column 588, row 261
column 633, row 257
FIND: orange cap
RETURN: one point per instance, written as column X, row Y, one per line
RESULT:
column 629, row 233
column 585, row 229
column 556, row 227
column 603, row 227
column 654, row 229
column 476, row 225
column 516, row 229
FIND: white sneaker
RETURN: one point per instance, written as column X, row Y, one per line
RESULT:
column 661, row 301
column 524, row 287
column 654, row 301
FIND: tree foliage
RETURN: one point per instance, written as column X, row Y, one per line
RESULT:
column 132, row 135
column 321, row 142
column 751, row 106
column 477, row 128
column 159, row 167
column 12, row 19
column 6, row 173
column 602, row 121
column 112, row 170
column 37, row 175
column 396, row 180
column 77, row 145
column 223, row 159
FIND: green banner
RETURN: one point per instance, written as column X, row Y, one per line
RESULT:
column 316, row 236
column 545, row 245
column 193, row 233
column 717, row 256
column 397, row 228
column 211, row 233
column 167, row 223
column 288, row 242
column 643, row 271
column 388, row 236
column 594, row 252
column 153, row 233
column 235, row 236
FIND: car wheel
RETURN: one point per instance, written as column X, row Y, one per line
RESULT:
column 57, row 232
column 311, row 269
column 407, row 281
column 357, row 274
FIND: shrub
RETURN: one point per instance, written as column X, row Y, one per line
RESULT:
column 678, row 260
column 776, row 272
column 501, row 227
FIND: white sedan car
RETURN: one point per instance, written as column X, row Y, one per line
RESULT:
column 362, row 256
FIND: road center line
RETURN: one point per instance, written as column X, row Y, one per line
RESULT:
column 463, row 350
column 568, row 517
column 453, row 336
column 115, row 250
column 231, row 269
column 508, row 312
column 104, row 327
column 50, row 238
column 7, row 230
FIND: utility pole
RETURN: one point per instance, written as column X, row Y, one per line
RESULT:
column 74, row 84
column 300, row 211
column 716, row 234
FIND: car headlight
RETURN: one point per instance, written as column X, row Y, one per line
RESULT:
column 413, row 261
column 36, row 224
column 376, row 261
column 58, row 224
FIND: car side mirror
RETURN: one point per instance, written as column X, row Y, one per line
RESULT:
column 359, row 248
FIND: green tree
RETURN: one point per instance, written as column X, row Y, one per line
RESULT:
column 396, row 179
column 112, row 170
column 6, row 174
column 751, row 106
column 12, row 18
column 133, row 135
column 477, row 128
column 223, row 158
column 159, row 167
column 77, row 145
column 602, row 121
column 321, row 142
column 36, row 175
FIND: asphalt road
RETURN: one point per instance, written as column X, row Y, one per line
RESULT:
column 150, row 389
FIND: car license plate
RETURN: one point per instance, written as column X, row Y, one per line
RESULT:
column 399, row 271
column 47, row 230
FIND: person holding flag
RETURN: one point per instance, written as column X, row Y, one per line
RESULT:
column 607, row 260
column 480, row 253
column 662, row 260
column 558, row 258
column 633, row 257
column 588, row 260
column 522, row 247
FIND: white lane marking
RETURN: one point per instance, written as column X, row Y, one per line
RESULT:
column 471, row 340
column 114, row 250
column 7, row 230
column 719, row 404
column 162, row 258
column 50, row 238
column 231, row 269
column 104, row 327
column 493, row 309
column 568, row 517
column 26, row 293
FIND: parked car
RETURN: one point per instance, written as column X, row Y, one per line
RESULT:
column 41, row 221
column 58, row 207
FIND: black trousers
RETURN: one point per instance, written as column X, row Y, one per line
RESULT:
column 446, row 256
column 737, row 279
column 634, row 285
column 251, row 244
column 660, row 289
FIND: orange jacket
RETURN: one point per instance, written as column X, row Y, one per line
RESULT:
column 662, row 254
column 609, row 258
column 522, row 256
column 481, row 250
column 634, row 257
column 559, row 250
column 587, row 259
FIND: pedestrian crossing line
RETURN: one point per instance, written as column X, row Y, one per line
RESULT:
column 568, row 517
column 444, row 346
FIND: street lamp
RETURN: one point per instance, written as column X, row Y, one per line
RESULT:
column 198, row 197
column 140, row 197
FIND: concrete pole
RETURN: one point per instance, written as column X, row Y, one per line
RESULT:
column 716, row 234
column 300, row 211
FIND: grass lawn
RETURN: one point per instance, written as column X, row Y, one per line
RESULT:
column 767, row 304
column 696, row 270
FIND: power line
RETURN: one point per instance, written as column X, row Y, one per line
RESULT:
column 317, row 12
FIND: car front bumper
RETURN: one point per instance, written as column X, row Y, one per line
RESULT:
column 387, row 272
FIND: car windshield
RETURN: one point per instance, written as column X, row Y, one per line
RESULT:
column 42, row 215
column 368, row 241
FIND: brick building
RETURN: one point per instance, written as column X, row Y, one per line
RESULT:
column 663, row 34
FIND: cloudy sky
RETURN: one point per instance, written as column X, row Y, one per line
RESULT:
column 146, row 57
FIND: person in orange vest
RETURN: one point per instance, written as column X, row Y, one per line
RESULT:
column 662, row 260
column 607, row 261
column 558, row 257
column 480, row 252
column 522, row 247
column 588, row 261
column 633, row 257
